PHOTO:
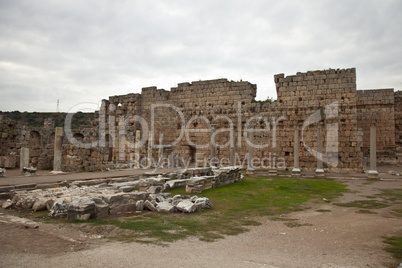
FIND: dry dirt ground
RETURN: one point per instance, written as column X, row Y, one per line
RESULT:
column 325, row 235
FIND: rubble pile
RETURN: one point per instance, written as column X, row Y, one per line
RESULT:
column 82, row 200
column 220, row 177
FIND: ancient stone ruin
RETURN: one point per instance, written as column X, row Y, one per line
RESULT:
column 207, row 123
column 82, row 200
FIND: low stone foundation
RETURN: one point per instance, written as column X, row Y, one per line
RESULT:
column 220, row 177
column 82, row 200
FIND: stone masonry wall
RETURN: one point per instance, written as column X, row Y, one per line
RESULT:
column 398, row 118
column 331, row 93
column 377, row 108
column 185, row 119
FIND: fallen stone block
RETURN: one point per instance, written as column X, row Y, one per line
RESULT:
column 194, row 198
column 155, row 189
column 138, row 195
column 123, row 208
column 186, row 206
column 142, row 185
column 28, row 202
column 59, row 209
column 204, row 202
column 7, row 204
column 101, row 207
column 126, row 189
column 118, row 185
column 40, row 204
column 49, row 204
column 139, row 205
column 156, row 181
column 82, row 208
column 149, row 206
column 159, row 198
column 101, row 210
column 115, row 200
column 172, row 184
column 165, row 207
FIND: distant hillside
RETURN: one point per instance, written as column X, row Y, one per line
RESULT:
column 36, row 119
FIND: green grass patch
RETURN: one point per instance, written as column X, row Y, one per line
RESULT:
column 364, row 204
column 323, row 210
column 293, row 224
column 395, row 246
column 393, row 195
column 256, row 196
column 235, row 208
column 397, row 212
column 365, row 211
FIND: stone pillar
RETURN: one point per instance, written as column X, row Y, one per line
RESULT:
column 24, row 159
column 58, row 150
column 171, row 160
column 372, row 173
column 160, row 149
column 137, row 149
column 319, row 172
column 296, row 166
column 150, row 147
column 250, row 136
column 212, row 145
column 232, row 147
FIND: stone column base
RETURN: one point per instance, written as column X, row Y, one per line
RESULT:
column 319, row 173
column 250, row 171
column 296, row 172
column 273, row 172
column 372, row 174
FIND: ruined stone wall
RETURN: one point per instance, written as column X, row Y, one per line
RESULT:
column 9, row 135
column 398, row 117
column 194, row 106
column 220, row 103
column 40, row 142
column 376, row 108
column 185, row 118
column 15, row 136
column 331, row 95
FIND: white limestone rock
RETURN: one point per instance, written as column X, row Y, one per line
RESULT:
column 82, row 208
column 186, row 206
column 59, row 209
column 165, row 207
column 149, row 206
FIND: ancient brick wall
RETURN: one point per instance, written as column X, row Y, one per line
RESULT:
column 194, row 106
column 224, row 104
column 188, row 116
column 398, row 117
column 376, row 108
column 331, row 94
column 9, row 135
column 14, row 136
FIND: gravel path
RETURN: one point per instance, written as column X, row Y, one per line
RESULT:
column 331, row 237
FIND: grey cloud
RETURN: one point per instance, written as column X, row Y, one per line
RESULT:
column 81, row 52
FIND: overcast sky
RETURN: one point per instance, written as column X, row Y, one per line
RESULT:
column 85, row 51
